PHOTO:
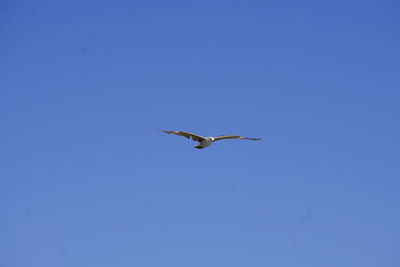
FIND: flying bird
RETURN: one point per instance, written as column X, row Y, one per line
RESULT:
column 206, row 141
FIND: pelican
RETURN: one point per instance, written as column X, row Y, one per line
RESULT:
column 206, row 141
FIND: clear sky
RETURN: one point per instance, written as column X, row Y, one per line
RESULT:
column 85, row 180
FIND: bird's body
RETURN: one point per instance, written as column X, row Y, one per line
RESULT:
column 206, row 141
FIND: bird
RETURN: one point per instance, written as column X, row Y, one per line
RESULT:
column 206, row 141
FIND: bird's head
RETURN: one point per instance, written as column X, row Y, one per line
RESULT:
column 212, row 139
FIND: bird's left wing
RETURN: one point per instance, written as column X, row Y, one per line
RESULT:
column 234, row 137
column 188, row 135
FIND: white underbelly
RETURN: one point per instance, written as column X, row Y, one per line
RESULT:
column 206, row 143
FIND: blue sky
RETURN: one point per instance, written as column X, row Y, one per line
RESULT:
column 85, row 180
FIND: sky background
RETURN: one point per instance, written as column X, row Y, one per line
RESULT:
column 86, row 180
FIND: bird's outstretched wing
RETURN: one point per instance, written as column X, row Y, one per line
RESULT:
column 188, row 135
column 234, row 137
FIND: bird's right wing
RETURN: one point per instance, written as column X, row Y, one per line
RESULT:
column 234, row 137
column 188, row 135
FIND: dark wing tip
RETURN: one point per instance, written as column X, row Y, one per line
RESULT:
column 253, row 138
column 165, row 131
